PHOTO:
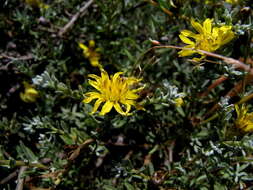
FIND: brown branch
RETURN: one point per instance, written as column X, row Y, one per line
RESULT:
column 233, row 92
column 72, row 21
column 163, row 9
column 217, row 82
column 237, row 64
column 76, row 153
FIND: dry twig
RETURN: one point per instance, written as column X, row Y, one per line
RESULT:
column 76, row 153
column 21, row 58
column 74, row 18
column 217, row 82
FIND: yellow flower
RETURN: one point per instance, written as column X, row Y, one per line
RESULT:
column 37, row 4
column 30, row 94
column 91, row 53
column 244, row 120
column 232, row 1
column 115, row 91
column 179, row 102
column 208, row 38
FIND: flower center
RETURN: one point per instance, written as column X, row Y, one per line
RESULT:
column 114, row 91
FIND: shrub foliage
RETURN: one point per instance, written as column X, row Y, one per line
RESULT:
column 169, row 120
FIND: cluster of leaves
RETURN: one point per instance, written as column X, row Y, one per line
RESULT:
column 59, row 145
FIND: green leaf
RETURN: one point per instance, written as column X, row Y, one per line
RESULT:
column 26, row 152
column 129, row 186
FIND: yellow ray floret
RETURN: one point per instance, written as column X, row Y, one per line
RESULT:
column 114, row 91
column 91, row 53
column 30, row 94
column 244, row 120
column 209, row 38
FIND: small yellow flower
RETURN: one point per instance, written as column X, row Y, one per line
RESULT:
column 115, row 91
column 244, row 120
column 30, row 94
column 209, row 38
column 91, row 53
column 37, row 4
column 232, row 1
column 179, row 102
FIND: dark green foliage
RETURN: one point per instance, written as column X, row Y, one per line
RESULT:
column 162, row 147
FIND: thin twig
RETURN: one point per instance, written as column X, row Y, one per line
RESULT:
column 234, row 91
column 21, row 179
column 217, row 82
column 21, row 58
column 157, row 4
column 76, row 153
column 74, row 18
column 237, row 64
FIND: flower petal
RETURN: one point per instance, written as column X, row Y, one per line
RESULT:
column 97, row 78
column 23, row 97
column 119, row 109
column 197, row 26
column 132, row 96
column 95, row 84
column 106, row 107
column 186, row 40
column 104, row 75
column 91, row 96
column 84, row 47
column 248, row 127
column 185, row 52
column 96, row 105
column 188, row 33
column 116, row 76
column 207, row 26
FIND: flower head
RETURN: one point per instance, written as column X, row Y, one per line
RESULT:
column 179, row 102
column 244, row 120
column 209, row 38
column 91, row 53
column 115, row 91
column 30, row 94
column 37, row 4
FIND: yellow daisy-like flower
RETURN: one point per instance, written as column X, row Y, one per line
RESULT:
column 37, row 4
column 115, row 91
column 209, row 38
column 30, row 94
column 244, row 120
column 91, row 53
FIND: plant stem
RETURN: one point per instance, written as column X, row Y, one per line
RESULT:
column 22, row 163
